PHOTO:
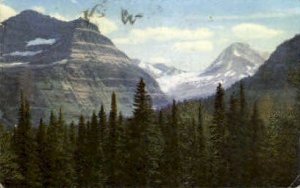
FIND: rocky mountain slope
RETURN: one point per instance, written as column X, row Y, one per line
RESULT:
column 235, row 63
column 273, row 79
column 64, row 64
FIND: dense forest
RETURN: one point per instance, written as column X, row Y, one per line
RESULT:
column 232, row 146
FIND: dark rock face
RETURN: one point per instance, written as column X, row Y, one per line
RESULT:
column 64, row 64
column 285, row 59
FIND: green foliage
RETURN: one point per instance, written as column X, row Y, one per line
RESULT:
column 9, row 170
column 216, row 141
column 184, row 145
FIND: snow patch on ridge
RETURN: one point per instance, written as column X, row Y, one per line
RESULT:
column 149, row 67
column 24, row 53
column 15, row 64
column 167, row 83
column 41, row 41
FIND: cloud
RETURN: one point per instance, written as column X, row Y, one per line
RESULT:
column 255, row 16
column 254, row 31
column 6, row 12
column 74, row 1
column 39, row 9
column 159, row 59
column 162, row 34
column 59, row 16
column 193, row 46
column 104, row 24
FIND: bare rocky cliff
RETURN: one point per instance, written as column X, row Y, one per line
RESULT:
column 64, row 64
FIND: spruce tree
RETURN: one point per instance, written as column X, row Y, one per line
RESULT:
column 255, row 148
column 243, row 136
column 103, row 144
column 25, row 146
column 112, row 139
column 174, row 147
column 42, row 153
column 80, row 154
column 121, row 165
column 216, row 140
column 139, row 140
column 9, row 169
column 233, row 148
column 200, row 162
column 102, row 124
column 53, row 150
column 93, row 145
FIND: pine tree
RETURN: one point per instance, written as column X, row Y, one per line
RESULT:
column 121, row 152
column 58, row 155
column 216, row 140
column 174, row 146
column 53, row 150
column 154, row 149
column 67, row 151
column 42, row 153
column 103, row 139
column 9, row 169
column 112, row 139
column 233, row 148
column 284, row 141
column 243, row 137
column 200, row 162
column 25, row 146
column 102, row 124
column 93, row 152
column 255, row 148
column 139, row 142
column 80, row 154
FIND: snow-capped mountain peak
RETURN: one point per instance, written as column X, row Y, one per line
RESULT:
column 236, row 62
column 238, row 58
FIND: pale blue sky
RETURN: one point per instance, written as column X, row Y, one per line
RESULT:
column 188, row 34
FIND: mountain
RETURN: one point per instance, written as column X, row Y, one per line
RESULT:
column 270, row 86
column 273, row 80
column 158, row 70
column 235, row 63
column 68, row 65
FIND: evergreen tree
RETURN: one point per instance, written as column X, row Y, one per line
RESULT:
column 256, row 139
column 121, row 165
column 67, row 159
column 174, row 147
column 103, row 139
column 138, row 139
column 282, row 147
column 200, row 162
column 102, row 124
column 243, row 137
column 216, row 140
column 80, row 154
column 93, row 146
column 112, row 131
column 42, row 153
column 25, row 146
column 9, row 169
column 54, row 146
column 233, row 147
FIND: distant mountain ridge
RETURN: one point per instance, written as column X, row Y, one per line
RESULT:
column 158, row 70
column 235, row 63
column 64, row 64
column 272, row 80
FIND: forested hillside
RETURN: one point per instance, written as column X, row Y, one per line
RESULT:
column 234, row 145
